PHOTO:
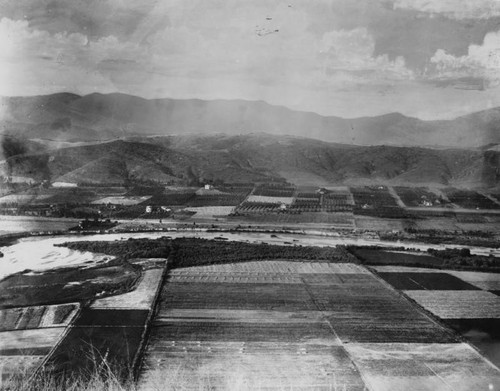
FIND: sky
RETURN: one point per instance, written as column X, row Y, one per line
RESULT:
column 431, row 59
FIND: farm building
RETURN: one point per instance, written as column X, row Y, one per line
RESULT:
column 156, row 209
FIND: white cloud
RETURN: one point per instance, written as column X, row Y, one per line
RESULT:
column 34, row 61
column 482, row 61
column 458, row 9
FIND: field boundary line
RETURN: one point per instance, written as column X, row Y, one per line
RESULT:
column 137, row 362
column 490, row 197
column 64, row 334
column 396, row 197
column 433, row 318
column 438, row 376
column 486, row 359
column 367, row 385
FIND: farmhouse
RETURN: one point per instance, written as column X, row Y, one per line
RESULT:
column 156, row 209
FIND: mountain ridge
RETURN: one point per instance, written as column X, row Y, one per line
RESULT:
column 256, row 157
column 71, row 117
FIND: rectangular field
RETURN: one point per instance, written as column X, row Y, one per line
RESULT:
column 210, row 211
column 458, row 304
column 141, row 297
column 37, row 316
column 121, row 200
column 481, row 280
column 381, row 257
column 426, row 281
column 424, row 367
column 270, row 199
column 418, row 196
column 286, row 322
column 337, row 219
column 470, row 199
column 23, row 351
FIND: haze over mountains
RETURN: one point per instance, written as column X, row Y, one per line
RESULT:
column 121, row 139
column 67, row 116
column 193, row 160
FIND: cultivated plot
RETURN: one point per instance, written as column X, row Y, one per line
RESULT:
column 423, row 367
column 458, row 304
column 23, row 351
column 141, row 297
column 37, row 316
column 275, row 324
column 210, row 211
column 113, row 327
column 426, row 281
column 121, row 200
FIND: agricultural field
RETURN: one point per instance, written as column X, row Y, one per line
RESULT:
column 466, row 301
column 24, row 318
column 418, row 197
column 16, row 199
column 61, row 196
column 376, row 201
column 269, row 199
column 429, row 367
column 496, row 196
column 221, row 199
column 250, row 207
column 172, row 198
column 121, row 200
column 278, row 191
column 341, row 220
column 336, row 200
column 113, row 328
column 426, row 281
column 381, row 257
column 469, row 199
column 481, row 280
column 28, row 335
column 273, row 324
column 66, row 285
column 371, row 197
column 208, row 212
column 458, row 304
column 141, row 297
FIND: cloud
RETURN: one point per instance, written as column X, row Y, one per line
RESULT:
column 457, row 9
column 32, row 61
column 352, row 51
column 481, row 61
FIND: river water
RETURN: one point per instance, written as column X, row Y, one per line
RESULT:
column 39, row 253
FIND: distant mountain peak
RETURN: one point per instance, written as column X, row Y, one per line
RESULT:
column 118, row 114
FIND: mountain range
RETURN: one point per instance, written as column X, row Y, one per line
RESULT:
column 117, row 138
column 70, row 117
column 196, row 159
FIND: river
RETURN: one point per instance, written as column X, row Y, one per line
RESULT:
column 39, row 253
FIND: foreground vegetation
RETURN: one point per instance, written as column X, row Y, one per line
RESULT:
column 454, row 259
column 187, row 252
column 195, row 252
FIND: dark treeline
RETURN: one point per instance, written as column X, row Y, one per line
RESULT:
column 132, row 248
column 188, row 252
column 195, row 251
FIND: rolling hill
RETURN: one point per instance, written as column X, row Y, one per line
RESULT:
column 190, row 159
column 69, row 117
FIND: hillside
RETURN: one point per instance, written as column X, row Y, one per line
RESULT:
column 67, row 117
column 193, row 159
